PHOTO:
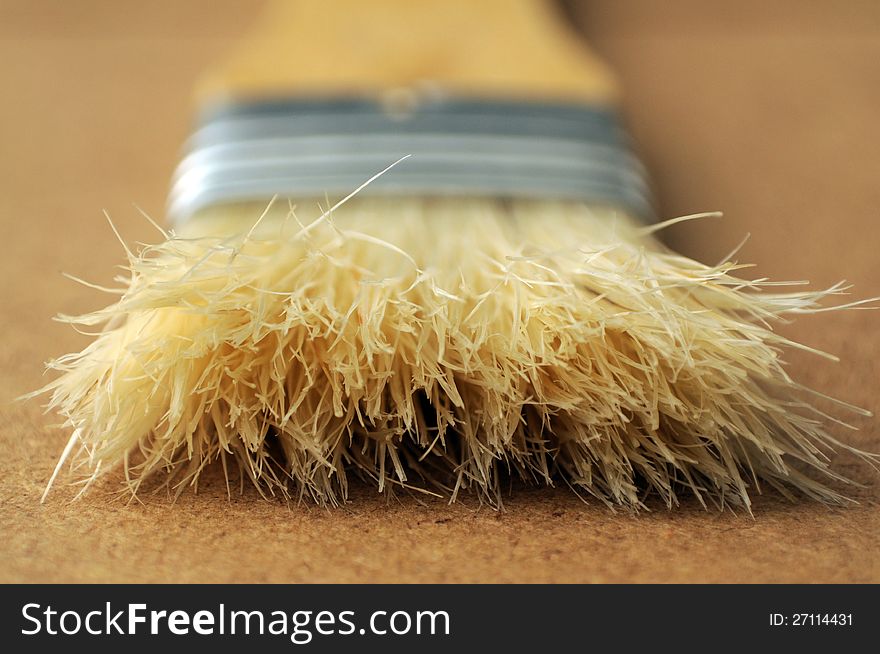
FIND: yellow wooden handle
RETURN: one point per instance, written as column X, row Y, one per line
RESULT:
column 494, row 49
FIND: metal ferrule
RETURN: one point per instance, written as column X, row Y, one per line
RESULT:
column 253, row 151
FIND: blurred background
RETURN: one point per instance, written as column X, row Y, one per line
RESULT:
column 767, row 111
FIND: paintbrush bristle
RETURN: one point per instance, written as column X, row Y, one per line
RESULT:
column 442, row 344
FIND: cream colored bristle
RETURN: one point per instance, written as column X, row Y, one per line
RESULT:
column 439, row 344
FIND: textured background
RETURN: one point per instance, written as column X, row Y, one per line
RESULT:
column 767, row 111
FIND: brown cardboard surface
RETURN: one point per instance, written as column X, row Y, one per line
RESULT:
column 766, row 112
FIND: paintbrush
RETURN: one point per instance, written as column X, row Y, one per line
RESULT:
column 410, row 242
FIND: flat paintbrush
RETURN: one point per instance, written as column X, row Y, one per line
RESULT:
column 494, row 304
